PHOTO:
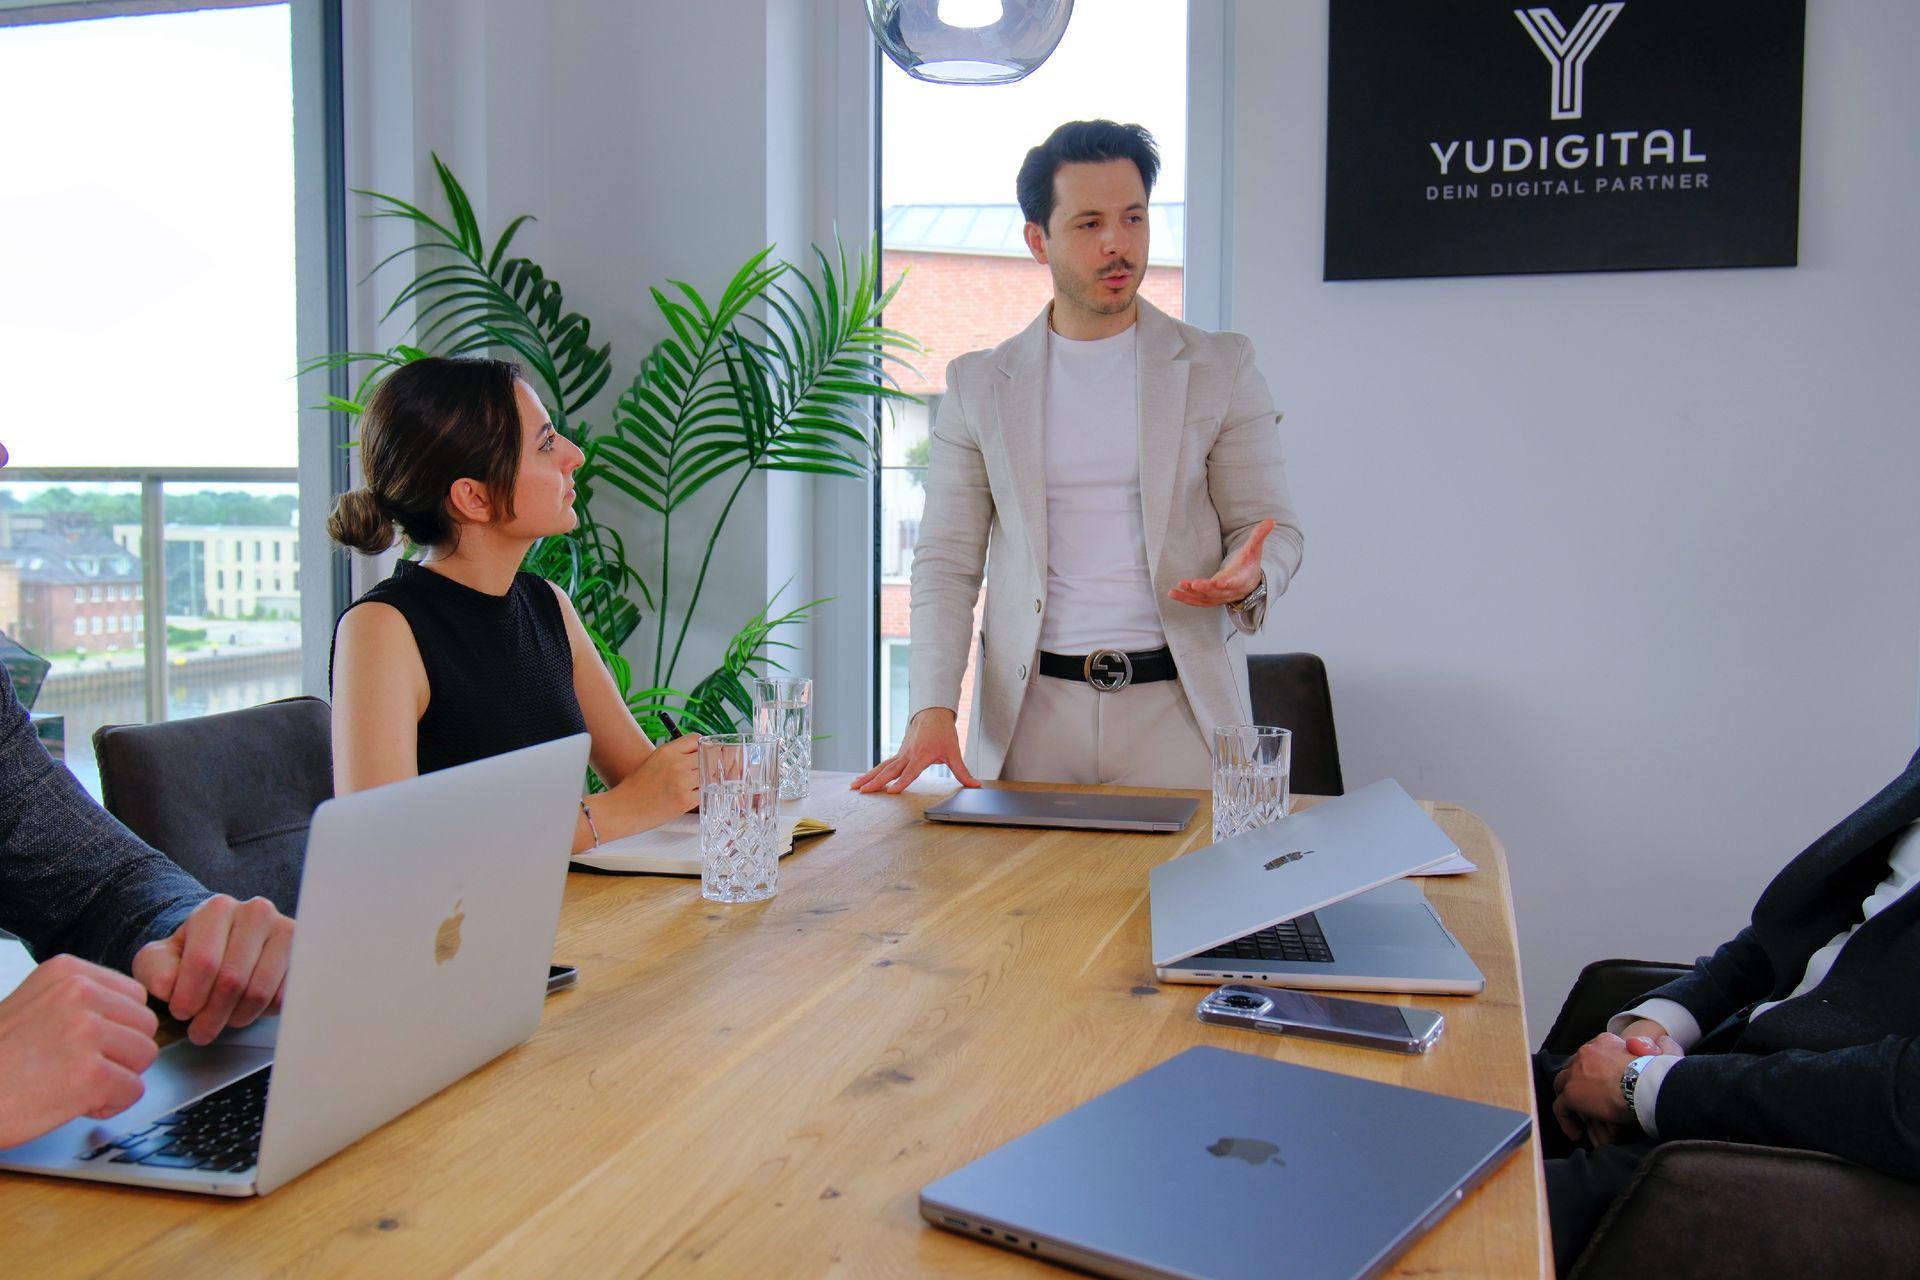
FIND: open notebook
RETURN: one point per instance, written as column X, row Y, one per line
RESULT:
column 673, row 848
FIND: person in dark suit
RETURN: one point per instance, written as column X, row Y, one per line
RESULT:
column 1800, row 1032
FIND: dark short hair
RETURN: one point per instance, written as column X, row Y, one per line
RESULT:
column 1082, row 142
column 430, row 423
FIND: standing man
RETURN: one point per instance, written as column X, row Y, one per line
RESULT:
column 1126, row 469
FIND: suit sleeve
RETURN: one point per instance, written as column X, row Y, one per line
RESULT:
column 1247, row 479
column 72, row 878
column 1861, row 1103
column 950, row 556
column 1722, row 984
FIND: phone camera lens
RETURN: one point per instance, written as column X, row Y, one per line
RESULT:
column 1243, row 1000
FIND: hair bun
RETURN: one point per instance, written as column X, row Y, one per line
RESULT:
column 358, row 521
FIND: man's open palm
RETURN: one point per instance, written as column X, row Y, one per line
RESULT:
column 1238, row 576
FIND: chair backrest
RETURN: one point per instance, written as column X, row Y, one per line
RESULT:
column 229, row 796
column 1290, row 690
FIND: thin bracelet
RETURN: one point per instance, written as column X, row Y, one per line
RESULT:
column 588, row 815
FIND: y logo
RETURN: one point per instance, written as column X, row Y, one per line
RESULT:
column 1568, row 51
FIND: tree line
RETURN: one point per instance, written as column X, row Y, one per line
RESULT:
column 207, row 507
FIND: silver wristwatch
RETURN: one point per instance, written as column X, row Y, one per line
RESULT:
column 1252, row 599
column 1630, row 1080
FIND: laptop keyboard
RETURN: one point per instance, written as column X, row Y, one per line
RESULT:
column 1298, row 941
column 219, row 1133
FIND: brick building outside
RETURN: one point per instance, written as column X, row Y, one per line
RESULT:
column 76, row 592
column 970, row 284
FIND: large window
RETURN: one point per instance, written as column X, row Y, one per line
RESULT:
column 148, row 248
column 949, row 219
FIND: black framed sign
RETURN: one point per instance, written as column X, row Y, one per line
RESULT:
column 1481, row 137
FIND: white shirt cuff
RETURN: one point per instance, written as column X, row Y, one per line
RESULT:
column 1646, row 1092
column 1673, row 1016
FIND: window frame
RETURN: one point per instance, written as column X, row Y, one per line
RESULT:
column 321, row 288
column 1205, row 255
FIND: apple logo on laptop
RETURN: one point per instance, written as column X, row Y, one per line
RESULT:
column 446, row 943
column 1252, row 1150
column 1285, row 858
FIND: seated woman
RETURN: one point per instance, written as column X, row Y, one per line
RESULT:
column 461, row 656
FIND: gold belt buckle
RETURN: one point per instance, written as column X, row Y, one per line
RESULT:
column 1108, row 670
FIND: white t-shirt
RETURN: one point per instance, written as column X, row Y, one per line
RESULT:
column 1099, row 589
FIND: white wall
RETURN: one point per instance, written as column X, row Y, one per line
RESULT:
column 1624, row 562
column 652, row 141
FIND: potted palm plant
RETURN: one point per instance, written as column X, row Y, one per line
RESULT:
column 783, row 371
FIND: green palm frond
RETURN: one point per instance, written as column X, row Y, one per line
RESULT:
column 825, row 356
column 676, row 427
column 793, row 391
column 590, row 565
column 722, row 701
column 474, row 298
column 382, row 362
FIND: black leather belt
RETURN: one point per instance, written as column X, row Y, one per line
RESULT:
column 1110, row 669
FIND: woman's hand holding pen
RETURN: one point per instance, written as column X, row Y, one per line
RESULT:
column 667, row 783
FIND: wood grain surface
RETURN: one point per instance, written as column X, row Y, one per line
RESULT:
column 762, row 1090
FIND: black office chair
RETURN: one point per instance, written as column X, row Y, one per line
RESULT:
column 1731, row 1209
column 1290, row 690
column 229, row 797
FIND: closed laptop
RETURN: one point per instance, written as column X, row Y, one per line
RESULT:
column 1231, row 1166
column 1074, row 810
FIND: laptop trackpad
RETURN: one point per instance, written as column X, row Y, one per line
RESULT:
column 1365, row 924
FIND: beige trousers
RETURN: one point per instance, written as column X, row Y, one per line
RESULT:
column 1141, row 736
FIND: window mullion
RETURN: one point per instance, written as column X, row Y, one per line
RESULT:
column 153, row 590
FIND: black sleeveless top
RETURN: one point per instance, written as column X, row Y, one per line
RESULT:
column 499, row 668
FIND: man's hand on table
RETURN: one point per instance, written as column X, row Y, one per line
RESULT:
column 223, row 967
column 933, row 737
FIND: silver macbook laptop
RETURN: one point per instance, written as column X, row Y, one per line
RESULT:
column 1314, row 900
column 1087, row 811
column 1227, row 1165
column 427, row 916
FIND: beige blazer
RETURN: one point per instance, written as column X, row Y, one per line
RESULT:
column 1210, row 470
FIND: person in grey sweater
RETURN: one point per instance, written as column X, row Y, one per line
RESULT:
column 89, row 898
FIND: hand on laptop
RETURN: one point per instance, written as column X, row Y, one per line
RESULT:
column 74, row 1039
column 222, row 968
column 932, row 738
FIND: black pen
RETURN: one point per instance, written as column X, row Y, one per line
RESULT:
column 673, row 730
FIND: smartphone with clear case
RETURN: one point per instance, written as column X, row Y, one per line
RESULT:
column 1317, row 1017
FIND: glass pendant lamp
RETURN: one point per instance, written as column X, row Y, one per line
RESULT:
column 968, row 41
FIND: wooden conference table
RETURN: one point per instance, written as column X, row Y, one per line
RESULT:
column 763, row 1090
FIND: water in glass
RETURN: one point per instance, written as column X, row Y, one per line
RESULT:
column 739, row 859
column 1251, row 768
column 783, row 708
column 739, row 817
